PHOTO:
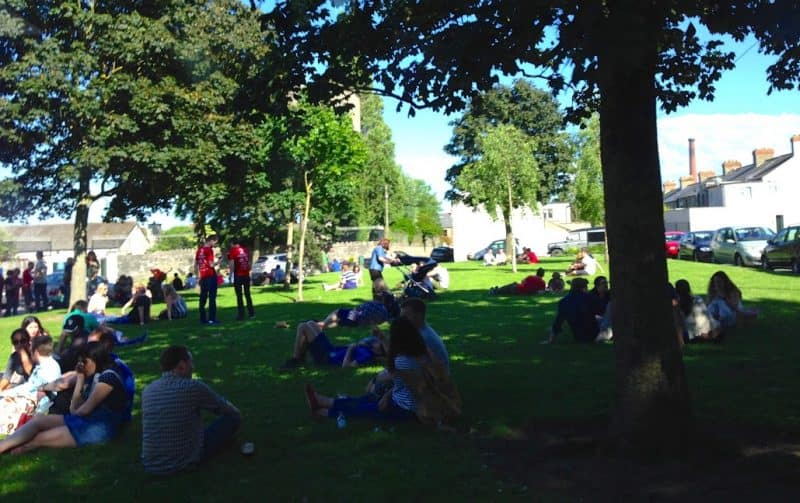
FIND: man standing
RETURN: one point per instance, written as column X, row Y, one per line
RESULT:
column 173, row 434
column 376, row 263
column 27, row 286
column 241, row 277
column 40, row 282
column 204, row 261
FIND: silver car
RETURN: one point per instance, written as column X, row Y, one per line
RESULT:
column 740, row 245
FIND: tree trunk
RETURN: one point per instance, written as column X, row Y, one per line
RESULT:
column 303, row 228
column 80, row 241
column 287, row 282
column 653, row 409
column 511, row 250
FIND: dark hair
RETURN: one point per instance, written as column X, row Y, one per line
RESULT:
column 26, row 338
column 42, row 343
column 600, row 279
column 416, row 306
column 98, row 353
column 404, row 339
column 172, row 356
column 105, row 335
column 79, row 304
column 685, row 298
column 33, row 319
column 540, row 272
column 234, row 240
column 390, row 302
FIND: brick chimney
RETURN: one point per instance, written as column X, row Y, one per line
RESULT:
column 795, row 142
column 692, row 160
column 669, row 186
column 760, row 155
column 687, row 180
column 729, row 166
column 705, row 175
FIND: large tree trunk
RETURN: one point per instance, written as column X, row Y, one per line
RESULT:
column 653, row 408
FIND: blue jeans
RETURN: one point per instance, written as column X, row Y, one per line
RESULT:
column 218, row 434
column 208, row 291
column 367, row 406
column 40, row 296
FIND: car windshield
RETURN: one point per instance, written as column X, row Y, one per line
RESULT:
column 671, row 237
column 753, row 234
column 703, row 236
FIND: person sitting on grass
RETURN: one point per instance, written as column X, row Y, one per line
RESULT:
column 697, row 324
column 556, row 284
column 96, row 411
column 27, row 399
column 421, row 388
column 174, row 436
column 33, row 326
column 139, row 305
column 176, row 305
column 584, row 265
column 527, row 256
column 500, row 257
column 725, row 301
column 576, row 309
column 489, row 258
column 309, row 338
column 371, row 313
column 347, row 281
column 531, row 285
column 19, row 365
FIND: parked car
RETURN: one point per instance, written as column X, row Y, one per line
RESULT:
column 783, row 250
column 266, row 263
column 442, row 254
column 498, row 244
column 696, row 246
column 740, row 245
column 577, row 239
column 671, row 242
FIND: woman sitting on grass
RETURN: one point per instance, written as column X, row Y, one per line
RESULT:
column 19, row 365
column 347, row 281
column 698, row 324
column 96, row 411
column 176, row 305
column 725, row 301
column 33, row 326
column 406, row 347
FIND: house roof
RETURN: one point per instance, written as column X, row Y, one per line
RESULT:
column 54, row 237
column 688, row 191
column 751, row 172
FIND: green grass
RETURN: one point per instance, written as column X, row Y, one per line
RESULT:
column 505, row 376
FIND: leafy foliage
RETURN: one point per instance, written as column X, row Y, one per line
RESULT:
column 532, row 111
column 587, row 188
column 176, row 238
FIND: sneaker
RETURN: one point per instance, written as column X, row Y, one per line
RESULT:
column 212, row 322
column 291, row 364
column 248, row 448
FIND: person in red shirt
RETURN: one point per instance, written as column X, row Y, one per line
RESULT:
column 527, row 256
column 27, row 286
column 531, row 285
column 204, row 262
column 240, row 259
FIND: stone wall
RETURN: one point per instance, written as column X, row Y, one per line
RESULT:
column 355, row 249
column 172, row 261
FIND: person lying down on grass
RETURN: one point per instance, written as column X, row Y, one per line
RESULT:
column 384, row 308
column 311, row 339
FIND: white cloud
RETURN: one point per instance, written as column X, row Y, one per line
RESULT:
column 719, row 137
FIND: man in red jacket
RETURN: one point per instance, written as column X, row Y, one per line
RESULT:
column 241, row 277
column 204, row 261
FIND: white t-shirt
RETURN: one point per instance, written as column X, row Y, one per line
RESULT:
column 589, row 265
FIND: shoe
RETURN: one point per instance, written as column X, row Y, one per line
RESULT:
column 212, row 322
column 290, row 364
column 248, row 448
column 252, row 316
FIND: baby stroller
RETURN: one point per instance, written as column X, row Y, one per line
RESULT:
column 416, row 283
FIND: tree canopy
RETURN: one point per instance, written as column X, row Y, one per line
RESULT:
column 586, row 191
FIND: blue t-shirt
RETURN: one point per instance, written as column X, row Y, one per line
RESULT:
column 377, row 253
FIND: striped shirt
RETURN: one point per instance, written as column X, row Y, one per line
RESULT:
column 401, row 395
column 172, row 427
column 348, row 280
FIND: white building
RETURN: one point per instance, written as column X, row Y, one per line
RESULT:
column 107, row 240
column 762, row 193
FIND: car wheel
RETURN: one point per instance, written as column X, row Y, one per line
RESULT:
column 696, row 256
column 556, row 252
column 737, row 260
column 765, row 263
column 795, row 266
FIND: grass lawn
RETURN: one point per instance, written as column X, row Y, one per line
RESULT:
column 506, row 377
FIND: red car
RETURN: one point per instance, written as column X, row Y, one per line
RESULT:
column 671, row 239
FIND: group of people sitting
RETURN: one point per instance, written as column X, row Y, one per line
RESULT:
column 415, row 382
column 136, row 310
column 531, row 285
column 588, row 313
